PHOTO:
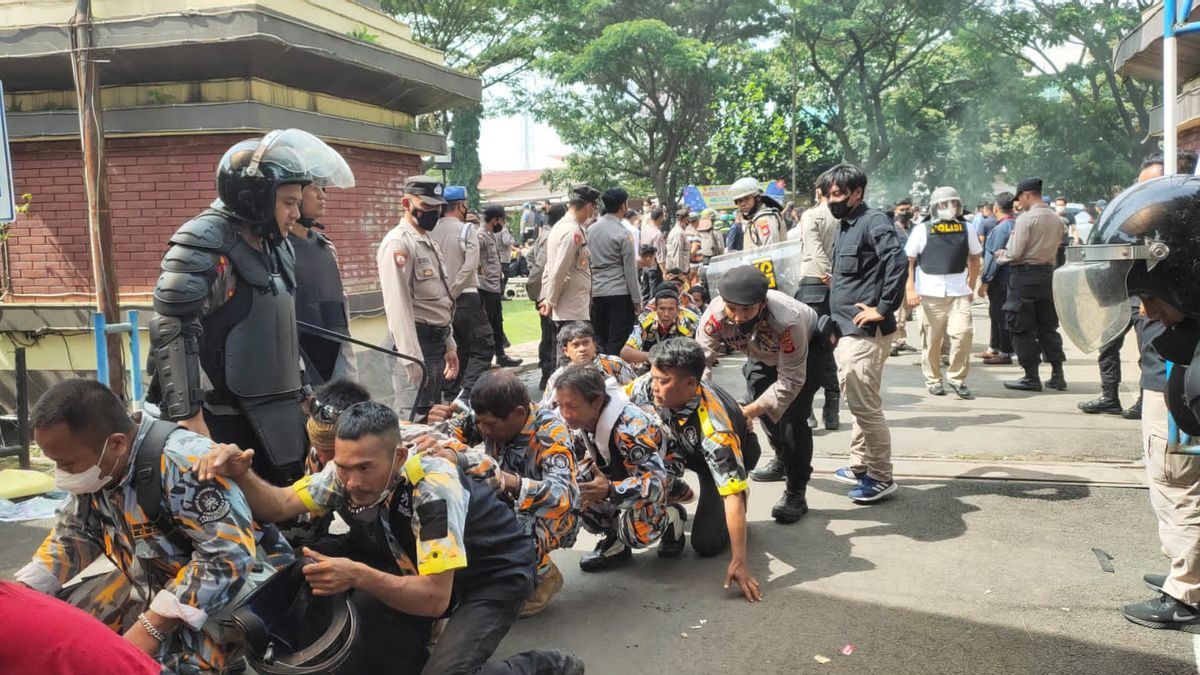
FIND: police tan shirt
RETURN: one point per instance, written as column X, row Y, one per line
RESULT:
column 415, row 290
column 764, row 227
column 653, row 236
column 817, row 232
column 567, row 279
column 780, row 339
column 679, row 252
column 1036, row 237
column 459, row 243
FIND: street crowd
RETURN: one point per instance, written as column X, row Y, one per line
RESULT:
column 264, row 508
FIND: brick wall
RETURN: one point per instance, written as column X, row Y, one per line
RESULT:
column 156, row 184
column 1189, row 139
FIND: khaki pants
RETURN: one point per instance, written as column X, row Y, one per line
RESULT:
column 860, row 373
column 1175, row 496
column 902, row 315
column 943, row 318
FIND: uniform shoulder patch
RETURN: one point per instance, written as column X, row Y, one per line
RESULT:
column 210, row 504
column 785, row 342
column 400, row 258
column 712, row 326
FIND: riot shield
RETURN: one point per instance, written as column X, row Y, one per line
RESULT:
column 780, row 262
column 391, row 377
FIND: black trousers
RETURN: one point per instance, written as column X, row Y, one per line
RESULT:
column 816, row 295
column 432, row 340
column 473, row 334
column 495, row 314
column 547, row 347
column 1032, row 317
column 613, row 317
column 238, row 430
column 791, row 437
column 710, row 533
column 1109, row 359
column 1001, row 338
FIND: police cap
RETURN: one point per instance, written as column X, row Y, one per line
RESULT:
column 428, row 188
column 1029, row 185
column 744, row 285
column 494, row 211
column 585, row 193
column 455, row 193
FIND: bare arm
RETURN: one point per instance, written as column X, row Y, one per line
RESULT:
column 974, row 265
column 416, row 595
column 739, row 571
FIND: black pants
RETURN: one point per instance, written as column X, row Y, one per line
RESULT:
column 1110, row 359
column 650, row 278
column 547, row 347
column 1001, row 338
column 388, row 641
column 710, row 533
column 432, row 340
column 473, row 334
column 238, row 430
column 613, row 318
column 1032, row 317
column 791, row 437
column 815, row 294
column 495, row 314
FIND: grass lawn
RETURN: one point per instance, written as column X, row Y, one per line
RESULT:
column 521, row 322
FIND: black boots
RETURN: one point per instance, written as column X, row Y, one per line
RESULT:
column 1057, row 379
column 829, row 413
column 1107, row 403
column 1031, row 381
column 790, row 508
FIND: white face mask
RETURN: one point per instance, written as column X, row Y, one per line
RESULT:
column 84, row 482
column 947, row 213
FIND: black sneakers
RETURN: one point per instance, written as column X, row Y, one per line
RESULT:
column 671, row 544
column 1164, row 612
column 610, row 552
column 1108, row 405
column 773, row 472
column 790, row 508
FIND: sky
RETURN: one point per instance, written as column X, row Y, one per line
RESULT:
column 512, row 143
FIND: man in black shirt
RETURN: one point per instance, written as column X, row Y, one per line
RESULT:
column 870, row 271
column 424, row 540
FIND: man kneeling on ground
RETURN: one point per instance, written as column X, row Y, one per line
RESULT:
column 526, row 458
column 424, row 540
column 708, row 434
column 622, row 477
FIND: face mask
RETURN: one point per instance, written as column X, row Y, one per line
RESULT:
column 427, row 220
column 947, row 213
column 1060, row 210
column 904, row 218
column 83, row 483
column 747, row 327
column 840, row 209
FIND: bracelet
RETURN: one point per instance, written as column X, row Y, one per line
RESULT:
column 154, row 632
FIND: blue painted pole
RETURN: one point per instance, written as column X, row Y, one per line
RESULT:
column 101, row 334
column 135, row 356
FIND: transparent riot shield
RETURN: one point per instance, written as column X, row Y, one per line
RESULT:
column 391, row 378
column 780, row 262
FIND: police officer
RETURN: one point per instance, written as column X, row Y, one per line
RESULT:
column 786, row 359
column 224, row 307
column 1145, row 245
column 547, row 348
column 943, row 263
column 764, row 223
column 817, row 233
column 567, row 279
column 679, row 252
column 424, row 541
column 320, row 296
column 1031, row 254
column 416, row 292
column 460, row 244
column 707, row 433
column 188, row 562
column 493, row 261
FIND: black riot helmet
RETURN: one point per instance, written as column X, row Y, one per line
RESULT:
column 1146, row 243
column 290, row 631
column 252, row 170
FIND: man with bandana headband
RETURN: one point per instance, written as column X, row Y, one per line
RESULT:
column 786, row 358
column 416, row 293
column 224, row 310
column 425, row 541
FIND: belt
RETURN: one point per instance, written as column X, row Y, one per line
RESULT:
column 1032, row 266
column 434, row 332
column 470, row 290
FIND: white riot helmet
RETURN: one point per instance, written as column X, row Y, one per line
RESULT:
column 945, row 204
column 744, row 187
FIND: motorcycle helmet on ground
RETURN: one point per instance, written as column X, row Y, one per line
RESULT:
column 290, row 631
column 1146, row 243
column 252, row 170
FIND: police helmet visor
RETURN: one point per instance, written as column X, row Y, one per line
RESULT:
column 1092, row 290
column 294, row 152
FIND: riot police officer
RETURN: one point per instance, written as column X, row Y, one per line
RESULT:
column 764, row 222
column 223, row 303
column 1146, row 245
column 416, row 292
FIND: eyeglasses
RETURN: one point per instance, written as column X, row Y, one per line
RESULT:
column 325, row 413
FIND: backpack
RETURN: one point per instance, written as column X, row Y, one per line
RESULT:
column 147, row 482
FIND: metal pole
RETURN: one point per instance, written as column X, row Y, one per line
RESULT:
column 95, row 174
column 135, row 355
column 100, row 326
column 1170, row 86
column 23, row 408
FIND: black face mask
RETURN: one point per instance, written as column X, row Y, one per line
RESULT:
column 427, row 220
column 840, row 209
column 748, row 326
column 904, row 218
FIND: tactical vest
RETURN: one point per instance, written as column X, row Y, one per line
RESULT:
column 320, row 301
column 946, row 248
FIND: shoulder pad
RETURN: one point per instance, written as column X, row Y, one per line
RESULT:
column 190, row 260
column 209, row 230
column 180, row 293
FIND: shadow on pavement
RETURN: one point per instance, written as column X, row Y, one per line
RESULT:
column 945, row 423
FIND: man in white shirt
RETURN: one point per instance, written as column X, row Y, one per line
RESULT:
column 944, row 257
